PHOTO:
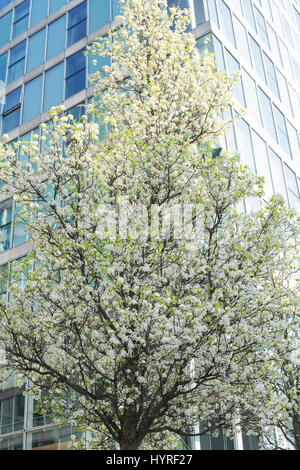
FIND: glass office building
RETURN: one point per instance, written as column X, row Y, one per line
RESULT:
column 42, row 43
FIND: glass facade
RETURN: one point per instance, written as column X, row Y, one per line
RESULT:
column 42, row 43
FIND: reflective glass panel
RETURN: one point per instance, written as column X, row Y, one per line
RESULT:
column 54, row 95
column 36, row 50
column 32, row 98
column 99, row 14
column 5, row 27
column 56, row 4
column 56, row 37
column 39, row 10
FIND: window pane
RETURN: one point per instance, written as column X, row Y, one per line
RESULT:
column 77, row 15
column 204, row 44
column 234, row 66
column 75, row 83
column 248, row 12
column 267, row 115
column 274, row 46
column 284, row 92
column 115, row 8
column 11, row 121
column 261, row 26
column 20, row 235
column 56, row 4
column 75, row 63
column 218, row 50
column 286, row 59
column 5, row 230
column 251, row 96
column 244, row 143
column 39, row 10
column 76, row 33
column 199, row 12
column 241, row 39
column 5, row 27
column 277, row 174
column 282, row 131
column 257, row 59
column 12, row 99
column 99, row 14
column 294, row 141
column 225, row 21
column 262, row 163
column 54, row 95
column 21, row 18
column 270, row 73
column 36, row 50
column 32, row 98
column 16, row 62
column 56, row 37
column 77, row 23
column 212, row 12
column 292, row 187
column 3, row 65
column 22, row 10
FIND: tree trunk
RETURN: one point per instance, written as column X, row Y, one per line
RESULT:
column 296, row 426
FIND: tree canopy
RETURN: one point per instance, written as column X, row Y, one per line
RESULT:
column 148, row 306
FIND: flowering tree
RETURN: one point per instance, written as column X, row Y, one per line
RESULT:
column 147, row 307
column 280, row 427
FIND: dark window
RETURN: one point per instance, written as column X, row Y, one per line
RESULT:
column 75, row 73
column 21, row 18
column 16, row 62
column 77, row 23
column 11, row 110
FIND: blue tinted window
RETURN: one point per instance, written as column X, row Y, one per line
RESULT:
column 3, row 65
column 11, row 121
column 36, row 49
column 199, row 11
column 116, row 10
column 75, row 74
column 21, row 18
column 12, row 99
column 77, row 23
column 56, row 4
column 16, row 62
column 101, row 62
column 19, row 234
column 11, row 111
column 32, row 98
column 56, row 37
column 39, row 10
column 54, row 94
column 5, row 27
column 99, row 14
column 5, row 225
